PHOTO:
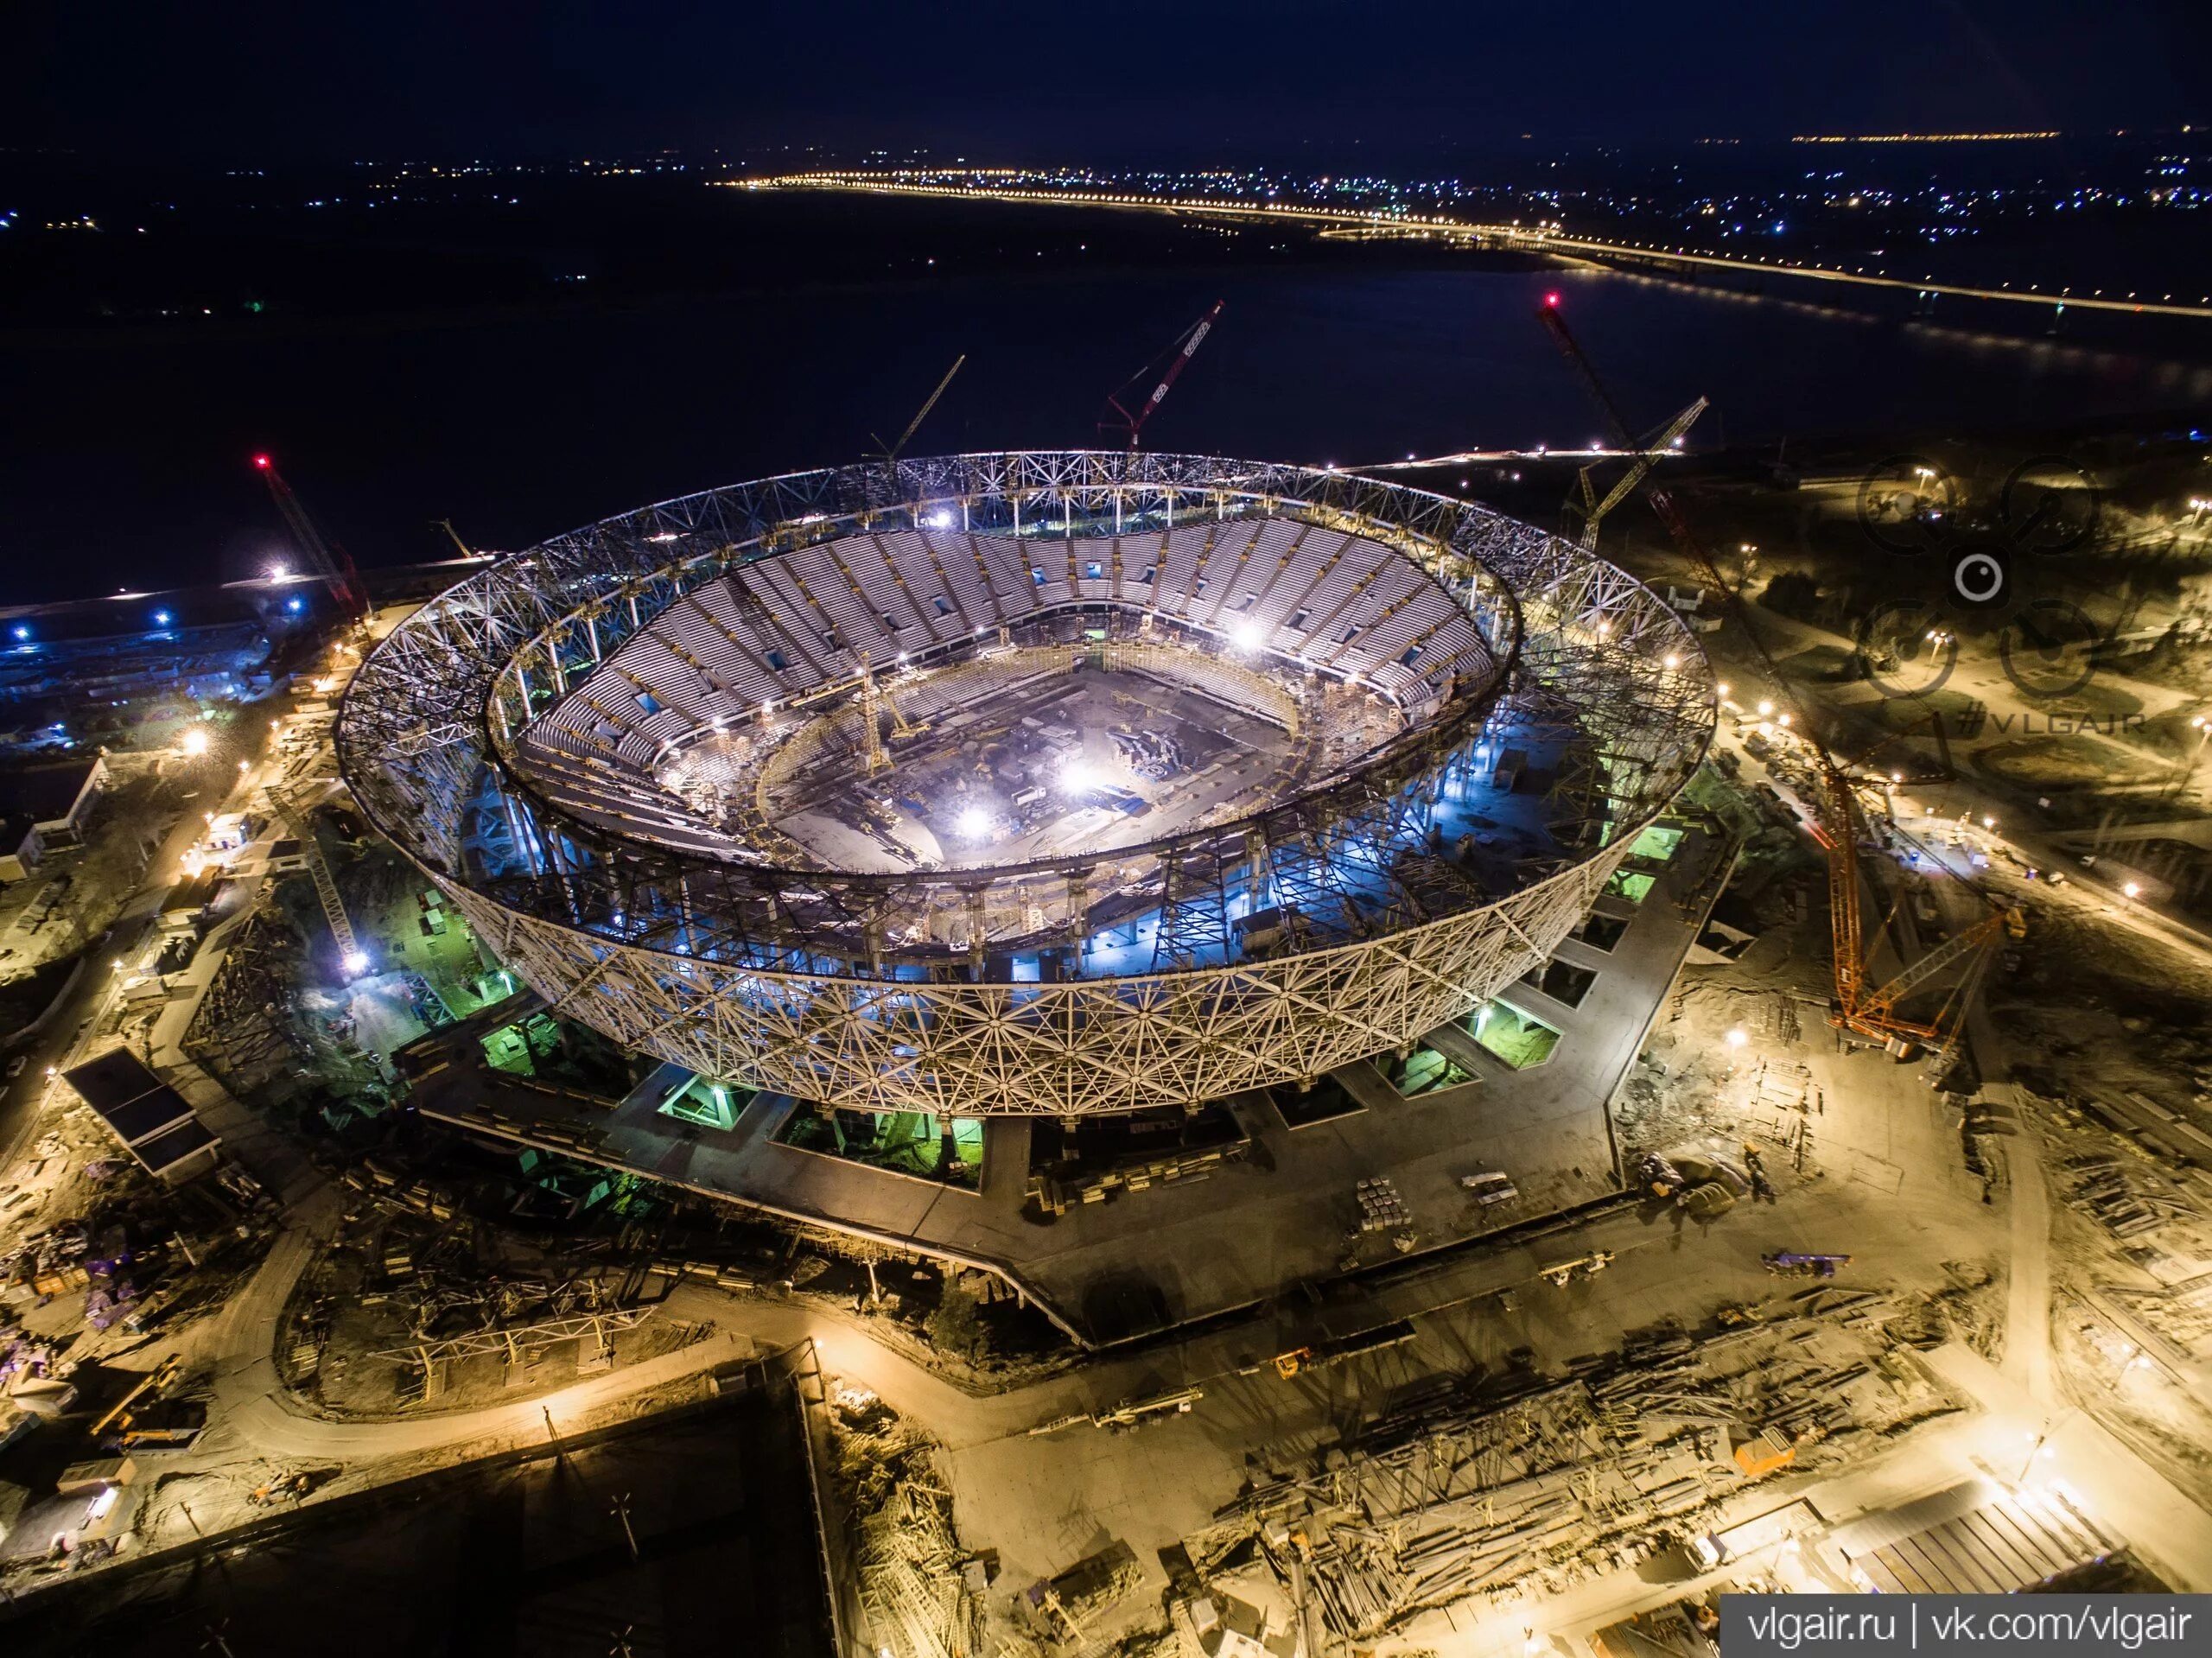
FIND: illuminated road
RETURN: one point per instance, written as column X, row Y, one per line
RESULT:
column 1439, row 227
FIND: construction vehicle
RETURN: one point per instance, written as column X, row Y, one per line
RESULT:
column 160, row 1377
column 1122, row 422
column 1793, row 1263
column 124, row 1429
column 1587, row 1266
column 1491, row 1186
column 1863, row 1005
column 329, row 561
column 1319, row 1355
column 1129, row 1413
column 1134, row 1413
column 286, row 1488
column 180, row 1436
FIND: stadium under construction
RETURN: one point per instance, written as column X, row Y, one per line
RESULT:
column 1111, row 822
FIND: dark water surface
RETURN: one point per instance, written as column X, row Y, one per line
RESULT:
column 123, row 458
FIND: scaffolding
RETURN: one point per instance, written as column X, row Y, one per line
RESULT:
column 863, row 988
column 874, row 759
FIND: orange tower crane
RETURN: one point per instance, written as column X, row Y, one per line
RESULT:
column 1866, row 1007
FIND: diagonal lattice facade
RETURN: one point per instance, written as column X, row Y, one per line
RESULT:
column 900, row 992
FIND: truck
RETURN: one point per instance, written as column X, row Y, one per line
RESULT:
column 1793, row 1263
column 1337, row 1349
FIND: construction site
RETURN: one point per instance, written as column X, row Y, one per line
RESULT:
column 1094, row 1053
column 1156, row 742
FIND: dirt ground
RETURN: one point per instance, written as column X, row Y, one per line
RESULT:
column 2081, row 981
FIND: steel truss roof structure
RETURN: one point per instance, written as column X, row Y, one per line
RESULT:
column 817, row 983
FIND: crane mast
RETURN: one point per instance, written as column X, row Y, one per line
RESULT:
column 1866, row 1009
column 1594, row 509
column 1132, row 424
column 329, row 563
column 296, row 803
column 892, row 451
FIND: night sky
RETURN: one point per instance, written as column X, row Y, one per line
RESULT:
column 264, row 82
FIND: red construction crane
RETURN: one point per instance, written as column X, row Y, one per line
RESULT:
column 1186, row 344
column 1862, row 1005
column 326, row 561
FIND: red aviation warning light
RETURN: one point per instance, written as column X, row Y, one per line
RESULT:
column 328, row 561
